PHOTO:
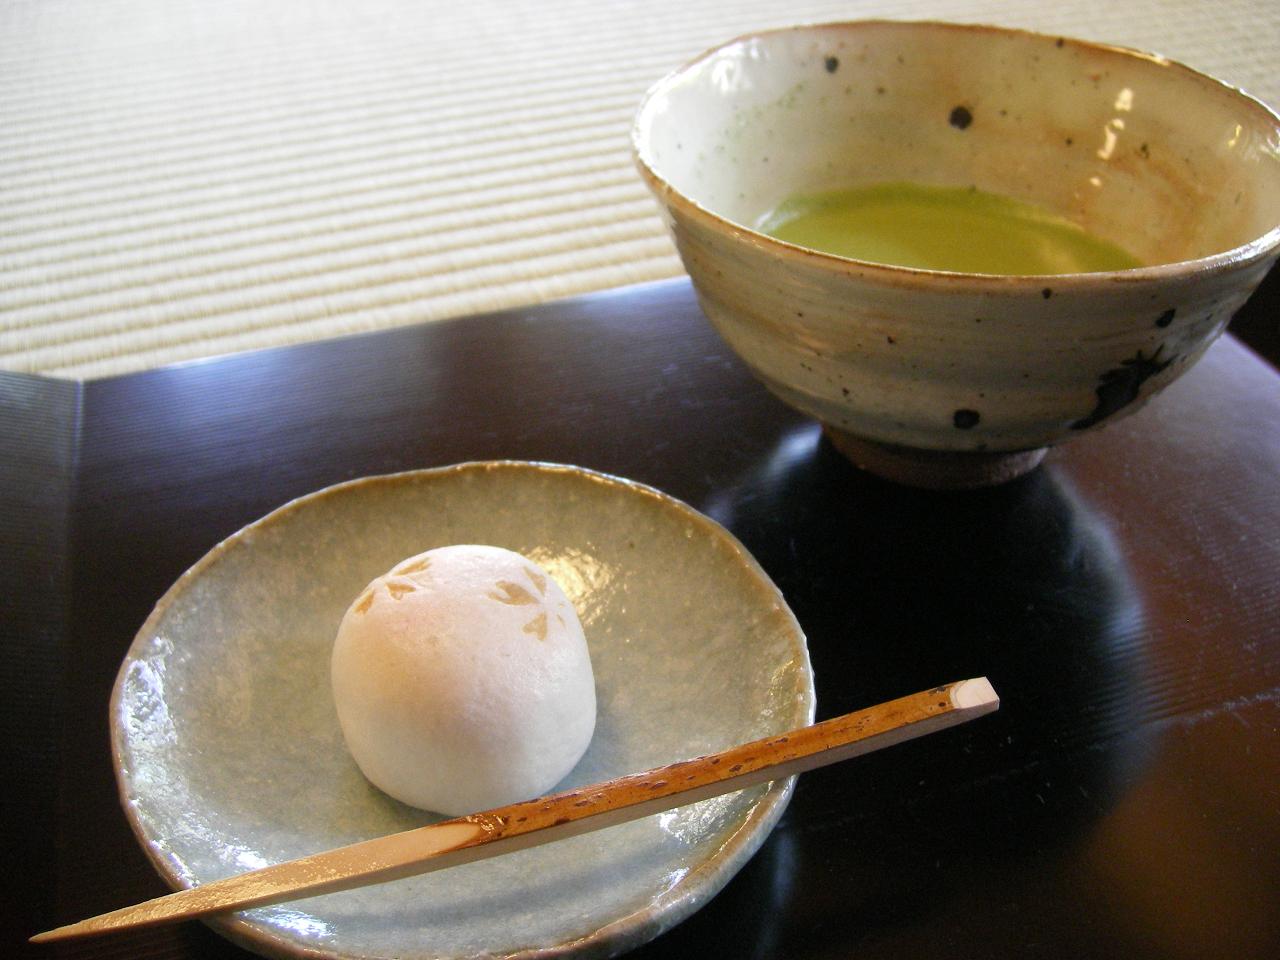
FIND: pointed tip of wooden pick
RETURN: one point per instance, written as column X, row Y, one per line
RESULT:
column 61, row 933
column 977, row 692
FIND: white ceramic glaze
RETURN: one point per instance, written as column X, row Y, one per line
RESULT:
column 1177, row 168
column 229, row 755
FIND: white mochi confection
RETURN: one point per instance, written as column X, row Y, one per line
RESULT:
column 462, row 680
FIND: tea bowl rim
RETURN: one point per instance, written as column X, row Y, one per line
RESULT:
column 1240, row 256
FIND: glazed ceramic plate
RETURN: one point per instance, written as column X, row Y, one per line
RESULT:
column 229, row 756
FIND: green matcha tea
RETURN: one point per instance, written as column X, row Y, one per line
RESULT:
column 942, row 228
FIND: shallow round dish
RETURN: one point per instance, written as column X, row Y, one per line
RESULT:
column 229, row 756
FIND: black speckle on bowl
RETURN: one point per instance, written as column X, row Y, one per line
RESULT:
column 1119, row 387
column 832, row 64
column 965, row 419
column 961, row 117
column 1166, row 318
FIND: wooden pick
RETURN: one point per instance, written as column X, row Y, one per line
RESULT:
column 533, row 822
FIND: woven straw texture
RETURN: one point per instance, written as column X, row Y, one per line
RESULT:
column 186, row 178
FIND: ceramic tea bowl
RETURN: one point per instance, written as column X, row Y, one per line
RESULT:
column 952, row 379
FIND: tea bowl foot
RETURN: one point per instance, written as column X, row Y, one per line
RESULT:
column 934, row 469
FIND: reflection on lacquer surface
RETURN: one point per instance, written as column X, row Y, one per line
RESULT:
column 898, row 588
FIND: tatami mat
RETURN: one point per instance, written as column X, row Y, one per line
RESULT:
column 186, row 179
